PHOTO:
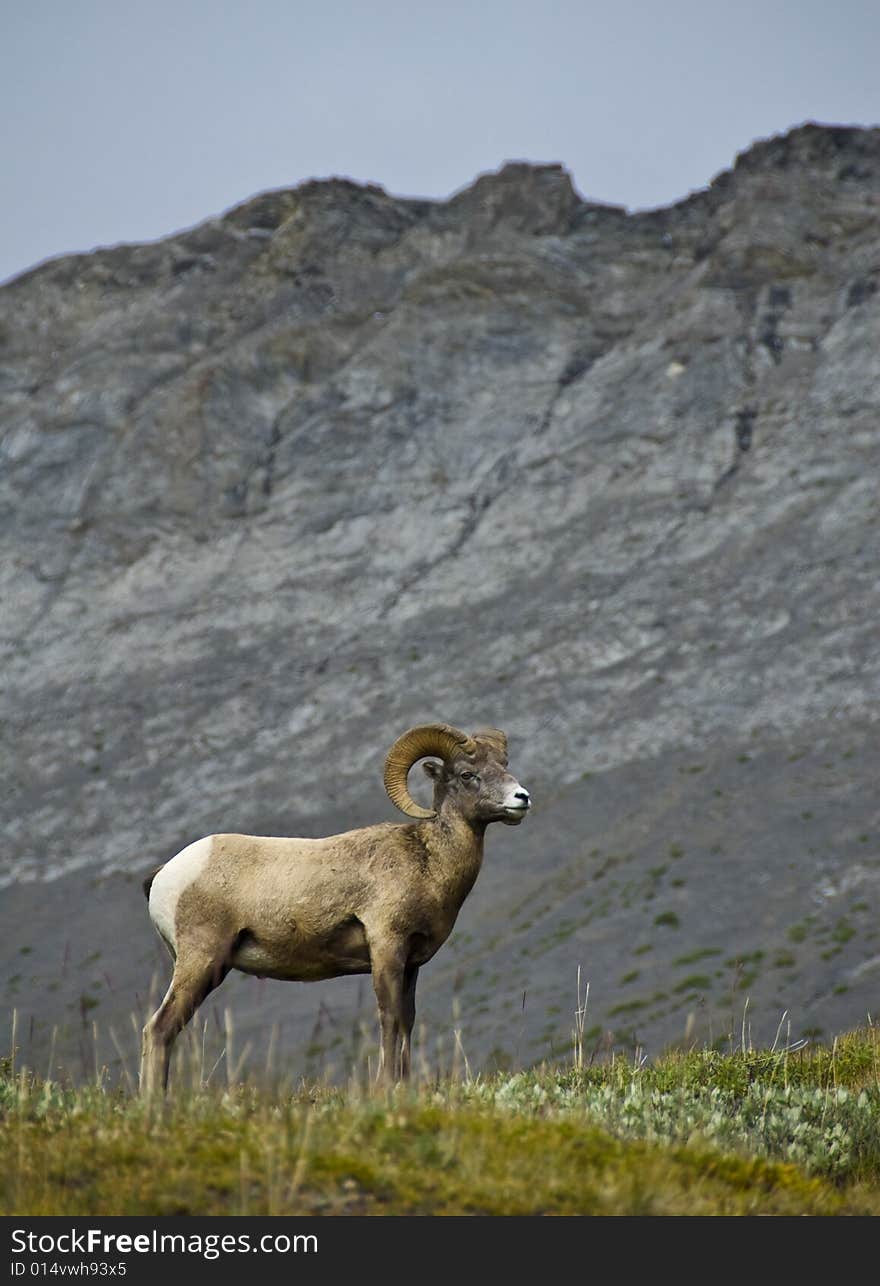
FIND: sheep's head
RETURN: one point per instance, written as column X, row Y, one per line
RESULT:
column 471, row 775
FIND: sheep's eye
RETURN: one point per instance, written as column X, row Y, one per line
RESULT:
column 468, row 776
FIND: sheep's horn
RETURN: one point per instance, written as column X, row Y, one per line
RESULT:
column 496, row 740
column 436, row 739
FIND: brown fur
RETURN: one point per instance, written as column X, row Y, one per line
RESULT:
column 382, row 900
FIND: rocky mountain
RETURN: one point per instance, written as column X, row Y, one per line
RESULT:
column 275, row 488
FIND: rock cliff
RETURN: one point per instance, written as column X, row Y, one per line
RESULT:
column 279, row 486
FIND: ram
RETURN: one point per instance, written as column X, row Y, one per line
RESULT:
column 381, row 900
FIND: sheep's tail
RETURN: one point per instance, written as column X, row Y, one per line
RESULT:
column 148, row 882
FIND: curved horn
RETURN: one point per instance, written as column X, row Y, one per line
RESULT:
column 437, row 739
column 496, row 740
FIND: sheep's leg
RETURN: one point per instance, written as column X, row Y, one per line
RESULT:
column 196, row 974
column 388, row 984
column 410, row 977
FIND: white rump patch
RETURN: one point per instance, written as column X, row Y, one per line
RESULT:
column 174, row 877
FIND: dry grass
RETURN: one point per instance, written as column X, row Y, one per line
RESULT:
column 776, row 1131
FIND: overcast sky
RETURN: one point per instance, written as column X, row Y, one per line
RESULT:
column 126, row 121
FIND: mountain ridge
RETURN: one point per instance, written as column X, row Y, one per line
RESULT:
column 337, row 462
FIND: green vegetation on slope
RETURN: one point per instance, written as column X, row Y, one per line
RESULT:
column 696, row 1133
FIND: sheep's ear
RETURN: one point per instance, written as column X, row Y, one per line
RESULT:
column 432, row 769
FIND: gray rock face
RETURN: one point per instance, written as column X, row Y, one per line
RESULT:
column 275, row 488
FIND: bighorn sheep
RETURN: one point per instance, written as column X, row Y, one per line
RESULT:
column 380, row 900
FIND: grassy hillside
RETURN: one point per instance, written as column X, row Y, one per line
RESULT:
column 773, row 1131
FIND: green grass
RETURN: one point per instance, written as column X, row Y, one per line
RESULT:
column 694, row 982
column 701, row 953
column 702, row 1132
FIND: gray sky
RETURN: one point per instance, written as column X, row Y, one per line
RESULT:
column 125, row 121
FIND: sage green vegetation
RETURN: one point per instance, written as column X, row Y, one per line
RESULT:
column 771, row 1132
